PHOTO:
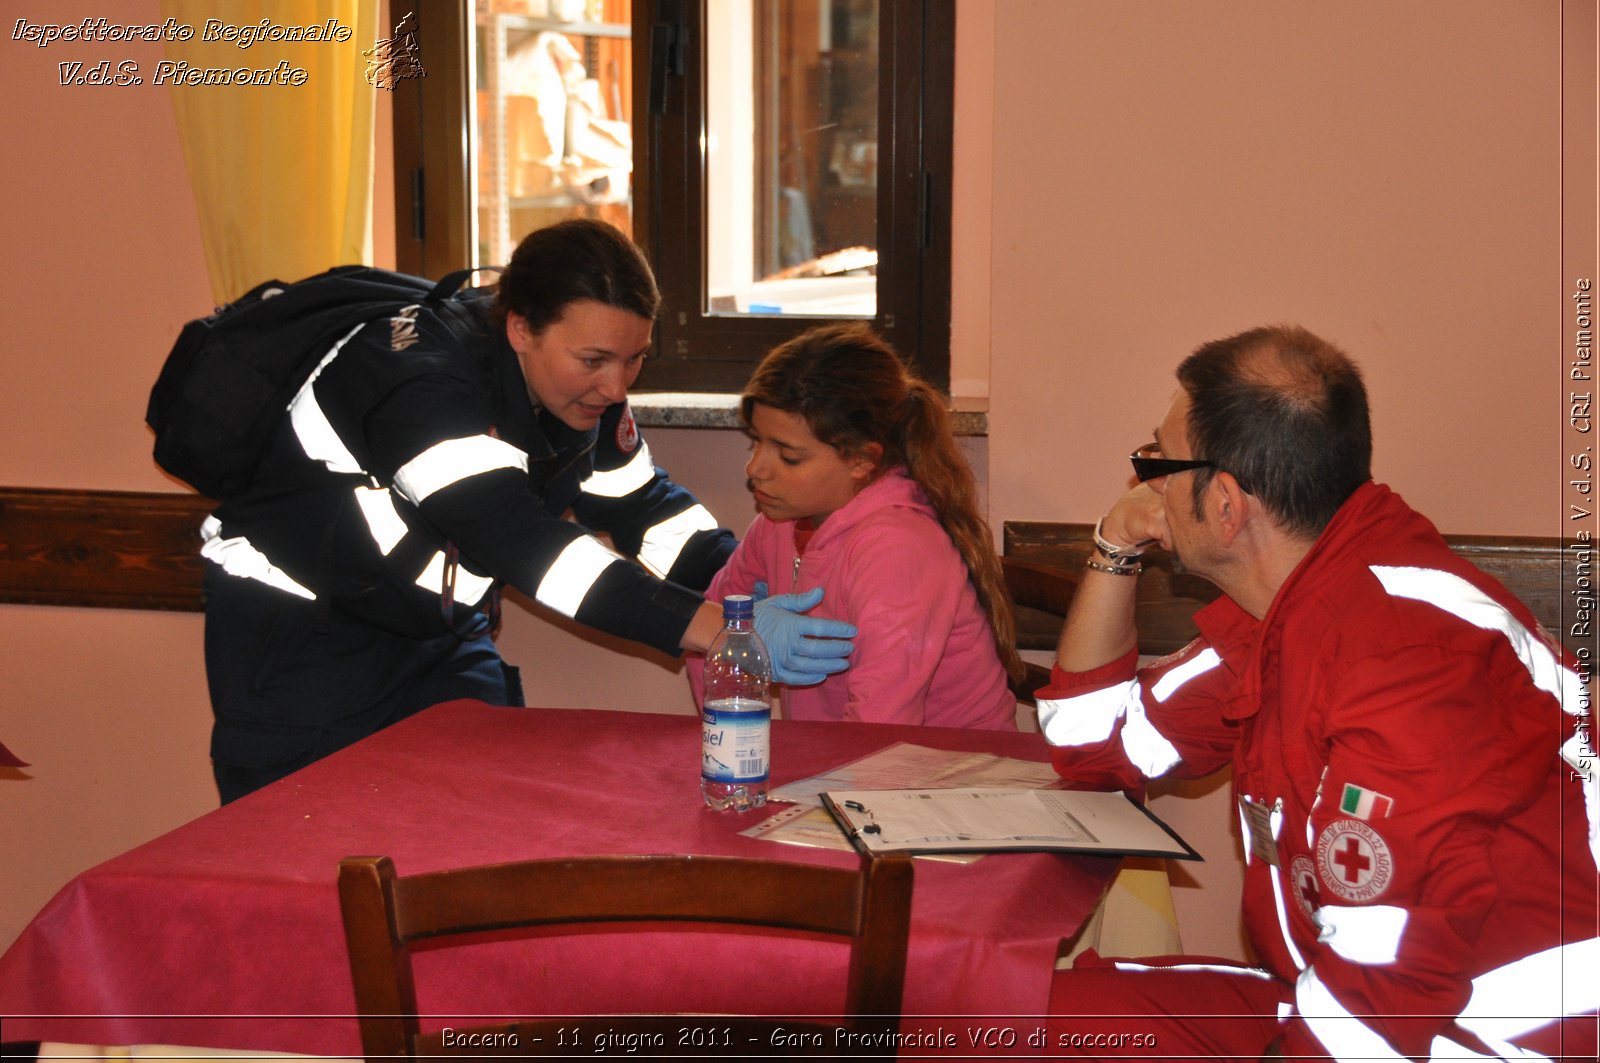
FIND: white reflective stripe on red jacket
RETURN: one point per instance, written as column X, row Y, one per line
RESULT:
column 1214, row 968
column 1462, row 600
column 1509, row 1001
column 619, row 483
column 1085, row 719
column 1526, row 994
column 1368, row 935
column 1345, row 1037
column 1274, row 874
column 568, row 580
column 1088, row 719
column 453, row 460
column 665, row 540
column 1173, row 681
column 1146, row 747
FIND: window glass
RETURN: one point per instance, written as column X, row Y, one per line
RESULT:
column 554, row 99
column 791, row 157
column 779, row 161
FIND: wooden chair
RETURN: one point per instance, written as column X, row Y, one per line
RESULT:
column 1042, row 593
column 386, row 916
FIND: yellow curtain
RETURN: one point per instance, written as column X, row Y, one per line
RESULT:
column 282, row 172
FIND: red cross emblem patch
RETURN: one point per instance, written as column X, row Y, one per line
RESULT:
column 1303, row 883
column 1353, row 860
column 627, row 431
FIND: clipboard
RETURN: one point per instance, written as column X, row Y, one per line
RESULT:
column 994, row 820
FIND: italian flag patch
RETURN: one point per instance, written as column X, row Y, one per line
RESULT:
column 1363, row 803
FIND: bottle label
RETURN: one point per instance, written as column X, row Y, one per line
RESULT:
column 735, row 741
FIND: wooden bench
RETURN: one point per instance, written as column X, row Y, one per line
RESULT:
column 1043, row 560
column 108, row 549
column 139, row 550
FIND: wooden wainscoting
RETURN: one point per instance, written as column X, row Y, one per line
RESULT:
column 109, row 549
column 1536, row 570
column 140, row 550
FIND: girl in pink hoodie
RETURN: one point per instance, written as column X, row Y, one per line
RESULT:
column 861, row 491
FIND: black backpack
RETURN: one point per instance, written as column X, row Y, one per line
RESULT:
column 231, row 376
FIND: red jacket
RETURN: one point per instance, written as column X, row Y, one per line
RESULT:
column 1410, row 754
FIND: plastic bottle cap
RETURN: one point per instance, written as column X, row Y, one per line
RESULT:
column 738, row 607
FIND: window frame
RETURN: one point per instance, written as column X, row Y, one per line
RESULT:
column 696, row 351
column 432, row 119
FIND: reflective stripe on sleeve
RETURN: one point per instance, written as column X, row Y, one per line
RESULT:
column 1345, row 1037
column 1368, row 935
column 665, row 541
column 383, row 520
column 1443, row 1048
column 239, row 558
column 455, row 460
column 1147, row 747
column 1534, row 991
column 1170, row 683
column 574, row 572
column 615, row 483
column 470, row 588
column 1085, row 719
column 312, row 427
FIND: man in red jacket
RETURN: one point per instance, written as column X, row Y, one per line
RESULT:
column 1412, row 756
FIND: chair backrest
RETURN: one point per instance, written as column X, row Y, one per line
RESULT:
column 386, row 915
column 1042, row 594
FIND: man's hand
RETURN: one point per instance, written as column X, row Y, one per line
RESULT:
column 1099, row 627
column 804, row 649
column 1136, row 519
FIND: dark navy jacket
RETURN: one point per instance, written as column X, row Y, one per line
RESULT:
column 414, row 465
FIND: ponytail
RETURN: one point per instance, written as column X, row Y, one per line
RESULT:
column 934, row 462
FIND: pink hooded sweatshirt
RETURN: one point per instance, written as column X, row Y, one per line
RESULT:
column 924, row 653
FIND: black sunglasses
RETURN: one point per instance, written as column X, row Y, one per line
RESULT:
column 1146, row 467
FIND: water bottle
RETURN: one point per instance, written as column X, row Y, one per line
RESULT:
column 736, row 719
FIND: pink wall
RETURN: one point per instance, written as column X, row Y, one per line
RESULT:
column 1132, row 179
column 1170, row 172
column 102, row 266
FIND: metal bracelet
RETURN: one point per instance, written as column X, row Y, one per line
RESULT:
column 1131, row 569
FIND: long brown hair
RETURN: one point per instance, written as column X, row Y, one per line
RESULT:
column 852, row 389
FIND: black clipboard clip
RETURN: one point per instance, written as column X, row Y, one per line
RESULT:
column 871, row 825
column 848, row 816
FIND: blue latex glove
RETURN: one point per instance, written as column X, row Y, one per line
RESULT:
column 804, row 649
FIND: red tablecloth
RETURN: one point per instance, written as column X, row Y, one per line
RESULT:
column 226, row 932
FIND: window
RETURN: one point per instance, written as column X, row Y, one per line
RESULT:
column 791, row 160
